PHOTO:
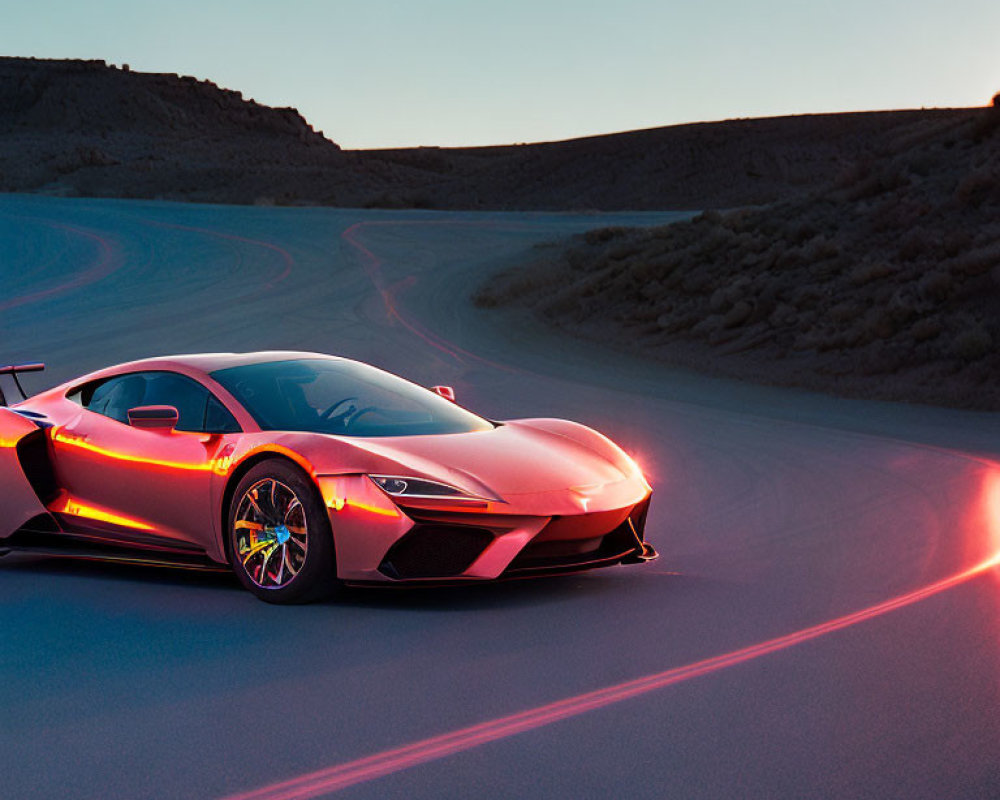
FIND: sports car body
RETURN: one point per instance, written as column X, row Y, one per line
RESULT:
column 304, row 471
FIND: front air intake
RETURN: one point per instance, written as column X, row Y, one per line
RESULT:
column 435, row 551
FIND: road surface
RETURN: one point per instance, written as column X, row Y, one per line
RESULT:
column 824, row 620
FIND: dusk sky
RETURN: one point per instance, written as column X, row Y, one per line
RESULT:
column 441, row 72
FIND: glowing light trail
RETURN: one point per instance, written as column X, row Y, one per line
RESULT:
column 332, row 779
column 102, row 266
column 69, row 506
column 76, row 441
column 287, row 259
column 373, row 266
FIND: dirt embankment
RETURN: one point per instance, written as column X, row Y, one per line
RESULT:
column 885, row 283
column 84, row 128
column 87, row 128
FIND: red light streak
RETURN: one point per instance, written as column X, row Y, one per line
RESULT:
column 69, row 506
column 287, row 259
column 104, row 264
column 350, row 773
column 75, row 441
column 368, row 508
column 373, row 266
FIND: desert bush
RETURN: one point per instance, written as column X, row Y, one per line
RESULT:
column 936, row 286
column 885, row 180
column 988, row 123
column 976, row 262
column 783, row 315
column 627, row 249
column 926, row 329
column 852, row 173
column 790, row 258
column 844, row 312
column 879, row 323
column 914, row 244
column 720, row 300
column 869, row 271
column 802, row 233
column 972, row 343
column 738, row 314
column 820, row 248
column 956, row 241
column 602, row 235
column 977, row 187
column 806, row 296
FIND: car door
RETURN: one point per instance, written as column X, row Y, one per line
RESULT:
column 149, row 486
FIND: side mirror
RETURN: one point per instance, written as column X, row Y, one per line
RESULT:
column 445, row 391
column 153, row 418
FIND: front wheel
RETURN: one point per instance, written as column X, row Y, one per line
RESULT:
column 280, row 542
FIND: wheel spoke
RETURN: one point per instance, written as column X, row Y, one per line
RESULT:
column 254, row 550
column 292, row 569
column 293, row 506
column 281, row 567
column 274, row 502
column 251, row 498
column 246, row 524
column 267, row 559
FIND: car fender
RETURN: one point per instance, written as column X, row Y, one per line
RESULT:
column 584, row 436
column 316, row 456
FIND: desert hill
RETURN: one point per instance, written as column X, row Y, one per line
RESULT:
column 84, row 128
column 87, row 128
column 884, row 283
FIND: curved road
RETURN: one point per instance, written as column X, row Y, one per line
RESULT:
column 824, row 620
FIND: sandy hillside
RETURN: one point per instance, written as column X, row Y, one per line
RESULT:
column 884, row 283
column 84, row 128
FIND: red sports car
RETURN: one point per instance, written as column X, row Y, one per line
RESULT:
column 304, row 472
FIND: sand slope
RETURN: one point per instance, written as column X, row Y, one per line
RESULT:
column 85, row 128
column 884, row 283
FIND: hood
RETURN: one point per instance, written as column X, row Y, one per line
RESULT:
column 512, row 459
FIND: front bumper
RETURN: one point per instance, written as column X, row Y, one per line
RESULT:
column 408, row 541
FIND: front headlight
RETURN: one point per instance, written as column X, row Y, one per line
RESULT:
column 403, row 486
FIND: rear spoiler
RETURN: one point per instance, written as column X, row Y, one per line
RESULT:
column 13, row 370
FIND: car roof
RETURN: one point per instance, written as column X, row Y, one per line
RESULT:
column 209, row 362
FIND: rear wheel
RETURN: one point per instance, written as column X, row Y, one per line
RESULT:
column 280, row 542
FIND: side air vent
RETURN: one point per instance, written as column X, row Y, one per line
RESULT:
column 33, row 455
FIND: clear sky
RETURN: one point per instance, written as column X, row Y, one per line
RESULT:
column 375, row 73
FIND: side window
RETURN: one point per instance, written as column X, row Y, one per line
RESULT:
column 112, row 397
column 198, row 411
column 218, row 419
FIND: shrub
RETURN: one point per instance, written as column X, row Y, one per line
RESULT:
column 972, row 343
column 602, row 235
column 869, row 271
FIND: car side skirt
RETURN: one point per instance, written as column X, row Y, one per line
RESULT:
column 46, row 535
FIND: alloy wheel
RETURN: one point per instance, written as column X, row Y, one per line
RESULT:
column 271, row 534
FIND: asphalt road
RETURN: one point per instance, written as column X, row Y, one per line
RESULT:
column 824, row 620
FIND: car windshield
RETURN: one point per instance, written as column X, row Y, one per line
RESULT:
column 342, row 397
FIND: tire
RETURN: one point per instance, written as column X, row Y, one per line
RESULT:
column 280, row 541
